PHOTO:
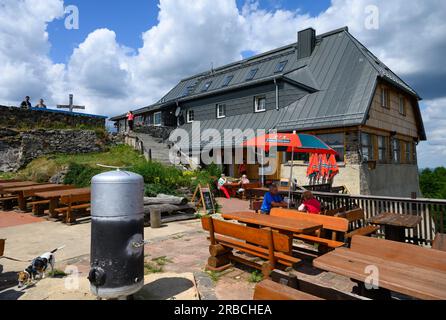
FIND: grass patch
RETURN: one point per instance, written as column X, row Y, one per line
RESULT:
column 255, row 277
column 57, row 274
column 156, row 265
column 214, row 275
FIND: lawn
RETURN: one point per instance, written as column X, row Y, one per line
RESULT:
column 80, row 168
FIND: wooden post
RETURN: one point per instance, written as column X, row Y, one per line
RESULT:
column 155, row 219
column 212, row 232
column 271, row 264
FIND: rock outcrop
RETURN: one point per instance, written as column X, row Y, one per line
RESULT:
column 18, row 148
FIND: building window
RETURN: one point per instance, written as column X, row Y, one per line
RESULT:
column 408, row 152
column 382, row 149
column 336, row 142
column 402, row 106
column 206, row 86
column 259, row 104
column 252, row 74
column 227, row 81
column 385, row 98
column 396, row 146
column 221, row 111
column 190, row 116
column 157, row 119
column 280, row 66
column 188, row 90
column 367, row 147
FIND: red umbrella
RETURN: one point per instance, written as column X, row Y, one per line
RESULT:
column 290, row 142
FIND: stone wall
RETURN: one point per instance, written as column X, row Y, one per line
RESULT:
column 16, row 118
column 18, row 148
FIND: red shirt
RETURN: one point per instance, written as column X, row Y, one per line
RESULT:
column 130, row 117
column 313, row 206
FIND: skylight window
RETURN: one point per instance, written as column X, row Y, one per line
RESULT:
column 206, row 86
column 227, row 81
column 188, row 90
column 281, row 66
column 252, row 74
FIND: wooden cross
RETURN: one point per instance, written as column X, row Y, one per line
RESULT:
column 71, row 105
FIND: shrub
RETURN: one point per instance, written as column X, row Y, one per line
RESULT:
column 80, row 175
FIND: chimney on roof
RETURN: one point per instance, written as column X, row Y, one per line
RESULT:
column 306, row 41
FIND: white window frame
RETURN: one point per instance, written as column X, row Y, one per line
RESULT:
column 223, row 106
column 154, row 119
column 256, row 104
column 385, row 98
column 402, row 105
column 189, row 120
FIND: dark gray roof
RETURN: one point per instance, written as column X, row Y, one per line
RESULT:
column 341, row 76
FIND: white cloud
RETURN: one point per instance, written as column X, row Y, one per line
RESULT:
column 24, row 47
column 432, row 153
column 110, row 78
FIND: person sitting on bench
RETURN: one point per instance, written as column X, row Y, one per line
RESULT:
column 221, row 186
column 310, row 204
column 272, row 200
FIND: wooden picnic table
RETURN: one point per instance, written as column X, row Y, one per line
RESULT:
column 29, row 191
column 405, row 268
column 15, row 184
column 54, row 196
column 284, row 225
column 395, row 224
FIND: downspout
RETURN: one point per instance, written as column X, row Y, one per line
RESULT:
column 277, row 93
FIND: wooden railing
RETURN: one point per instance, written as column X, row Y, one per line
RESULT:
column 432, row 211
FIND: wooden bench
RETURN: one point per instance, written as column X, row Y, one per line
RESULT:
column 247, row 186
column 334, row 212
column 439, row 242
column 262, row 243
column 37, row 206
column 270, row 290
column 7, row 202
column 331, row 236
column 357, row 224
column 72, row 203
column 256, row 205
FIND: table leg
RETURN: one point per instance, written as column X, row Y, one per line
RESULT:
column 22, row 202
column 394, row 233
column 52, row 208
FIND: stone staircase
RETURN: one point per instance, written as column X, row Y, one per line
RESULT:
column 157, row 148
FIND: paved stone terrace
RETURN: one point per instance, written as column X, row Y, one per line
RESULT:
column 182, row 246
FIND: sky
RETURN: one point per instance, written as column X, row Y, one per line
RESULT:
column 128, row 54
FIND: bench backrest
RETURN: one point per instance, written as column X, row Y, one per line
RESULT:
column 259, row 237
column 252, row 185
column 329, row 223
column 334, row 212
column 269, row 290
column 400, row 252
column 75, row 198
column 439, row 242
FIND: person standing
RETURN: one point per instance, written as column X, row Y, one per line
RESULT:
column 131, row 120
column 41, row 104
column 26, row 104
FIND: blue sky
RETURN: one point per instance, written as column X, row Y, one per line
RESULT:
column 129, row 54
column 129, row 19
